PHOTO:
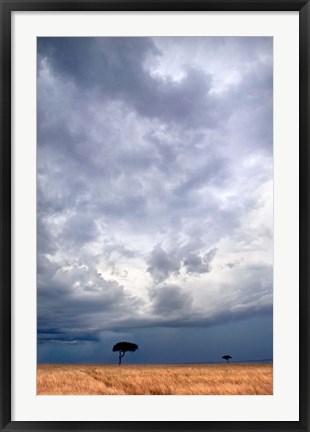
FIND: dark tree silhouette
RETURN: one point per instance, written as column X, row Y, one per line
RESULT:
column 123, row 347
column 226, row 357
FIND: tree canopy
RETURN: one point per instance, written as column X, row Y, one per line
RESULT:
column 123, row 347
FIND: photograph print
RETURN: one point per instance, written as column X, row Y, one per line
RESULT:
column 155, row 215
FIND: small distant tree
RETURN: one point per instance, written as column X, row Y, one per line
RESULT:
column 122, row 348
column 226, row 357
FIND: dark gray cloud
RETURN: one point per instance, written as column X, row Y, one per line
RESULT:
column 75, row 302
column 115, row 69
column 171, row 301
column 161, row 265
column 154, row 184
column 197, row 264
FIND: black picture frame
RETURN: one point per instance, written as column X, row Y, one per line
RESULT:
column 7, row 7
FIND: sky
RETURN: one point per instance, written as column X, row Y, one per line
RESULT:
column 154, row 198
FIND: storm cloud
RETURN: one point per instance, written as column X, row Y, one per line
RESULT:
column 154, row 187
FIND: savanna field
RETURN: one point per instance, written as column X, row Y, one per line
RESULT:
column 215, row 379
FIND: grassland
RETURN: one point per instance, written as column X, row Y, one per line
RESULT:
column 223, row 379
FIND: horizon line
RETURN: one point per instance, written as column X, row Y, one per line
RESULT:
column 267, row 360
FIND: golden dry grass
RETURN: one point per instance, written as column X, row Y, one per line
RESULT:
column 220, row 379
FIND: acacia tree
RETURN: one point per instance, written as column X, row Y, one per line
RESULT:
column 226, row 357
column 122, row 348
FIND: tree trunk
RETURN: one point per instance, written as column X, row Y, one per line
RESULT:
column 121, row 354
